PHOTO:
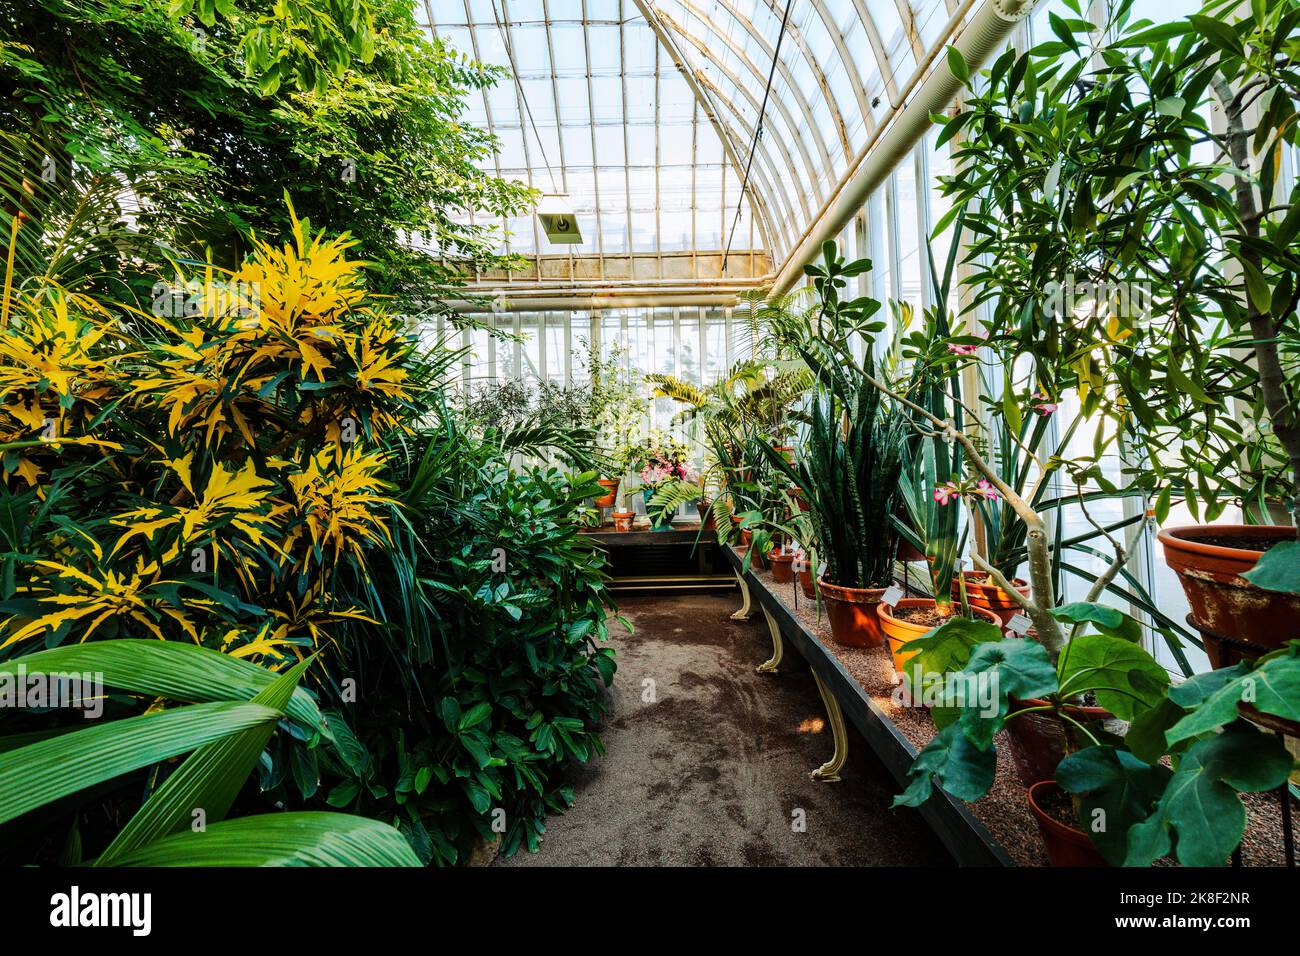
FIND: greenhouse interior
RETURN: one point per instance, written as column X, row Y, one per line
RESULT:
column 649, row 433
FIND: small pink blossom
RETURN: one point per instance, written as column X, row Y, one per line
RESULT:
column 957, row 349
column 1042, row 405
column 946, row 492
column 985, row 490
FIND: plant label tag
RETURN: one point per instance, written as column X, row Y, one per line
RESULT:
column 892, row 596
column 1020, row 625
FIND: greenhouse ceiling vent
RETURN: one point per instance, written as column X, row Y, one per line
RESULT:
column 556, row 214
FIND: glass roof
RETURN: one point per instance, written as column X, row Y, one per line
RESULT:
column 644, row 111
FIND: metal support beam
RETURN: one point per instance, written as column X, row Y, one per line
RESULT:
column 933, row 88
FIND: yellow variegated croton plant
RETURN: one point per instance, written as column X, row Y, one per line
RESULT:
column 206, row 467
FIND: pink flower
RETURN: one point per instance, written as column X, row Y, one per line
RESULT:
column 985, row 490
column 946, row 492
column 1042, row 405
column 957, row 349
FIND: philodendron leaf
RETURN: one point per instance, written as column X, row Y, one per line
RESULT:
column 959, row 766
column 1107, row 620
column 1116, row 791
column 1126, row 679
column 1278, row 569
column 1013, row 667
column 948, row 647
column 1271, row 686
column 1146, row 733
column 1201, row 815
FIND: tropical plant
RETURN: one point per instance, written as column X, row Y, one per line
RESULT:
column 229, row 712
column 346, row 104
column 1140, row 255
column 1173, row 782
column 854, row 450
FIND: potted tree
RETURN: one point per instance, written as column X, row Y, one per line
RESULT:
column 1169, row 271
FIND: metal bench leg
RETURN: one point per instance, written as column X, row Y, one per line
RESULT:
column 745, row 612
column 829, row 772
column 770, row 665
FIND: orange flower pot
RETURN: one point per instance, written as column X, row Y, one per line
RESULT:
column 900, row 632
column 611, row 486
column 1066, row 845
column 852, row 614
column 623, row 520
column 1224, row 602
column 982, row 593
column 1037, row 741
column 782, row 567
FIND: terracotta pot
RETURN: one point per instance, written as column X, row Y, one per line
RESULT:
column 705, row 508
column 899, row 632
column 611, row 486
column 800, row 499
column 1037, row 741
column 852, row 614
column 746, row 538
column 985, row 594
column 782, row 567
column 785, row 451
column 1066, row 845
column 1224, row 602
column 623, row 520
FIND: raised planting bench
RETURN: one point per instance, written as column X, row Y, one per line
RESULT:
column 845, row 697
column 643, row 560
column 857, row 683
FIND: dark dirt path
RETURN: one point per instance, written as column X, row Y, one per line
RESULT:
column 707, row 762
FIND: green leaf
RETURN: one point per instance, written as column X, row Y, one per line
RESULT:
column 1271, row 686
column 1126, row 679
column 1278, row 569
column 948, row 647
column 1201, row 814
column 282, row 839
column 209, row 779
column 1106, row 620
column 475, row 715
column 1117, row 791
column 957, row 63
column 1146, row 733
column 955, row 763
column 170, row 669
column 1261, row 297
column 43, row 772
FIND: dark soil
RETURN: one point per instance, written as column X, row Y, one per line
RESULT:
column 1058, row 805
column 922, row 616
column 1239, row 541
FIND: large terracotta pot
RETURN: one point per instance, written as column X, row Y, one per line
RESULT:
column 611, row 486
column 705, row 508
column 1037, row 740
column 1222, row 601
column 623, row 520
column 852, row 614
column 1066, row 845
column 782, row 567
column 982, row 593
column 899, row 632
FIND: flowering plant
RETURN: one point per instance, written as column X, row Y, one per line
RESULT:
column 665, row 459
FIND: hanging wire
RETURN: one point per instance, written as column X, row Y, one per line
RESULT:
column 758, row 131
column 504, row 30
